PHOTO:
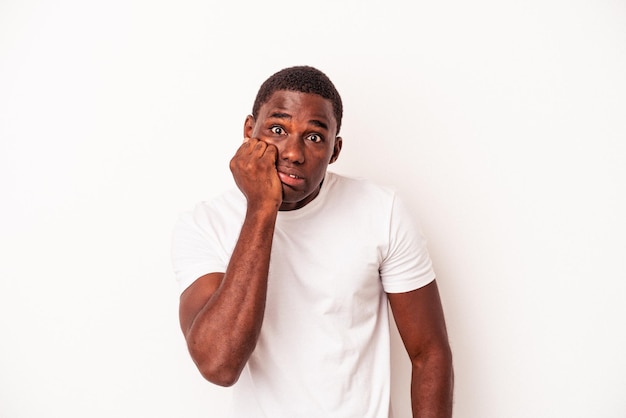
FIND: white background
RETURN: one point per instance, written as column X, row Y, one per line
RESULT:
column 502, row 122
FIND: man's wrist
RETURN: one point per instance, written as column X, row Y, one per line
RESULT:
column 263, row 209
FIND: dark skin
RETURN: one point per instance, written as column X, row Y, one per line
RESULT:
column 280, row 166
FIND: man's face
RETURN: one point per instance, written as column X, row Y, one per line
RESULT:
column 303, row 128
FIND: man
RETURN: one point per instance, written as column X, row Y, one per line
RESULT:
column 286, row 278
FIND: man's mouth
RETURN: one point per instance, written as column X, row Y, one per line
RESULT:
column 290, row 179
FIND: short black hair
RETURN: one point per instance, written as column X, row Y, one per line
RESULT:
column 304, row 79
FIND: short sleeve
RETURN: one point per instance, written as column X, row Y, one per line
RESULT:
column 196, row 250
column 407, row 265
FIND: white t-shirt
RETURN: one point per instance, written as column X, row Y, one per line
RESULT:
column 323, row 350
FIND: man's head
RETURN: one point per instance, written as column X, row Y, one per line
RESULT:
column 298, row 111
column 304, row 79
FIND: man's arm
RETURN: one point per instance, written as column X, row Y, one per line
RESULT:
column 420, row 320
column 221, row 313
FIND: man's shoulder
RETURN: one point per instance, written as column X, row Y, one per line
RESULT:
column 229, row 204
column 229, row 199
column 361, row 186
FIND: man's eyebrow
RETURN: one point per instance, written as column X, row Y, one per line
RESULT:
column 319, row 124
column 315, row 122
column 279, row 115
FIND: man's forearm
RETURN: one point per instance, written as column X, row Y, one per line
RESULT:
column 224, row 332
column 432, row 385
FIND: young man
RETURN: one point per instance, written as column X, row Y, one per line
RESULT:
column 286, row 279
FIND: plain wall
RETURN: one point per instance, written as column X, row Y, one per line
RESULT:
column 501, row 122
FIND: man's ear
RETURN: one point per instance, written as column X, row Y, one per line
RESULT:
column 248, row 127
column 336, row 150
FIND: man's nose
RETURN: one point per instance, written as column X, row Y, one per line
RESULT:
column 292, row 149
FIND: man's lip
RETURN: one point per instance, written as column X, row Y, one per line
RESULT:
column 290, row 178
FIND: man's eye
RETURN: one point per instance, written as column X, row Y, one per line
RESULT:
column 314, row 138
column 277, row 130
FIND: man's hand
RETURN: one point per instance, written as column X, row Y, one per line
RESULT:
column 254, row 171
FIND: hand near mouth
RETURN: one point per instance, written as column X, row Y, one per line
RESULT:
column 255, row 173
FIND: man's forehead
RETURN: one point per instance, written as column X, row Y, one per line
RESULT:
column 286, row 101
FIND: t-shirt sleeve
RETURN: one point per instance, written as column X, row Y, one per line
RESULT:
column 407, row 265
column 196, row 250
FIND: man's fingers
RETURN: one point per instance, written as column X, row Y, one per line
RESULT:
column 262, row 149
column 248, row 146
column 253, row 148
column 272, row 152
